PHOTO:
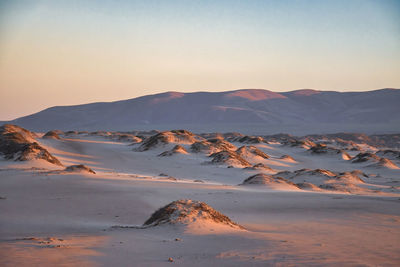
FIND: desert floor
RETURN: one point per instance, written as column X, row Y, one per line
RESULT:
column 49, row 217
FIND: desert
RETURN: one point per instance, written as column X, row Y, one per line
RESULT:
column 100, row 202
column 228, row 133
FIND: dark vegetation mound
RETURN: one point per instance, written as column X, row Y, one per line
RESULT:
column 351, row 177
column 178, row 149
column 52, row 135
column 259, row 166
column 251, row 140
column 229, row 157
column 324, row 149
column 287, row 157
column 388, row 153
column 167, row 137
column 19, row 144
column 221, row 144
column 305, row 173
column 264, row 179
column 365, row 157
column 79, row 168
column 119, row 136
column 246, row 151
column 299, row 143
column 308, row 186
column 384, row 163
column 212, row 146
column 186, row 211
column 376, row 140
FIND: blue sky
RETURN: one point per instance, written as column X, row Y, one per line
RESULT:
column 71, row 52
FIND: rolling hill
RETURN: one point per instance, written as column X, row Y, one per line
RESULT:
column 299, row 112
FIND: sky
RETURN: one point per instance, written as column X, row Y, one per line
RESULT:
column 74, row 52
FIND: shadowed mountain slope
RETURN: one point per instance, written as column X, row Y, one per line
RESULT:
column 301, row 107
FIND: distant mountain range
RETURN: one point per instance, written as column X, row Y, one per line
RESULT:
column 300, row 110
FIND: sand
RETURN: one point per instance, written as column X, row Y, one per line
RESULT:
column 282, row 228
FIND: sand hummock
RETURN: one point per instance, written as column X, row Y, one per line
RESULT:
column 34, row 151
column 79, row 168
column 212, row 145
column 384, row 163
column 319, row 177
column 299, row 143
column 308, row 186
column 187, row 211
column 132, row 139
column 167, row 137
column 54, row 134
column 319, row 149
column 247, row 139
column 251, row 151
column 14, row 131
column 389, row 154
column 269, row 180
column 288, row 158
column 306, row 173
column 259, row 166
column 178, row 149
column 19, row 144
column 351, row 177
column 365, row 157
column 230, row 158
column 348, row 188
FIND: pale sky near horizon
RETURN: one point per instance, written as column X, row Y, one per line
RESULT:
column 75, row 52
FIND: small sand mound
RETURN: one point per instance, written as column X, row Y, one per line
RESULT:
column 211, row 146
column 320, row 149
column 345, row 188
column 35, row 151
column 251, row 140
column 389, row 154
column 249, row 152
column 202, row 146
column 299, row 143
column 178, row 149
column 71, row 133
column 232, row 136
column 51, row 135
column 259, row 166
column 134, row 140
column 308, row 186
column 316, row 177
column 186, row 211
column 351, row 177
column 288, row 158
column 306, row 172
column 125, row 137
column 365, row 157
column 79, row 168
column 168, row 137
column 269, row 180
column 230, row 158
column 385, row 163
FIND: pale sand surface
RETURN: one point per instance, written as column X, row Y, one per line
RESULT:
column 70, row 216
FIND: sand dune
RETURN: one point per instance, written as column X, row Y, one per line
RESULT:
column 186, row 211
column 229, row 158
column 20, row 144
column 176, row 150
